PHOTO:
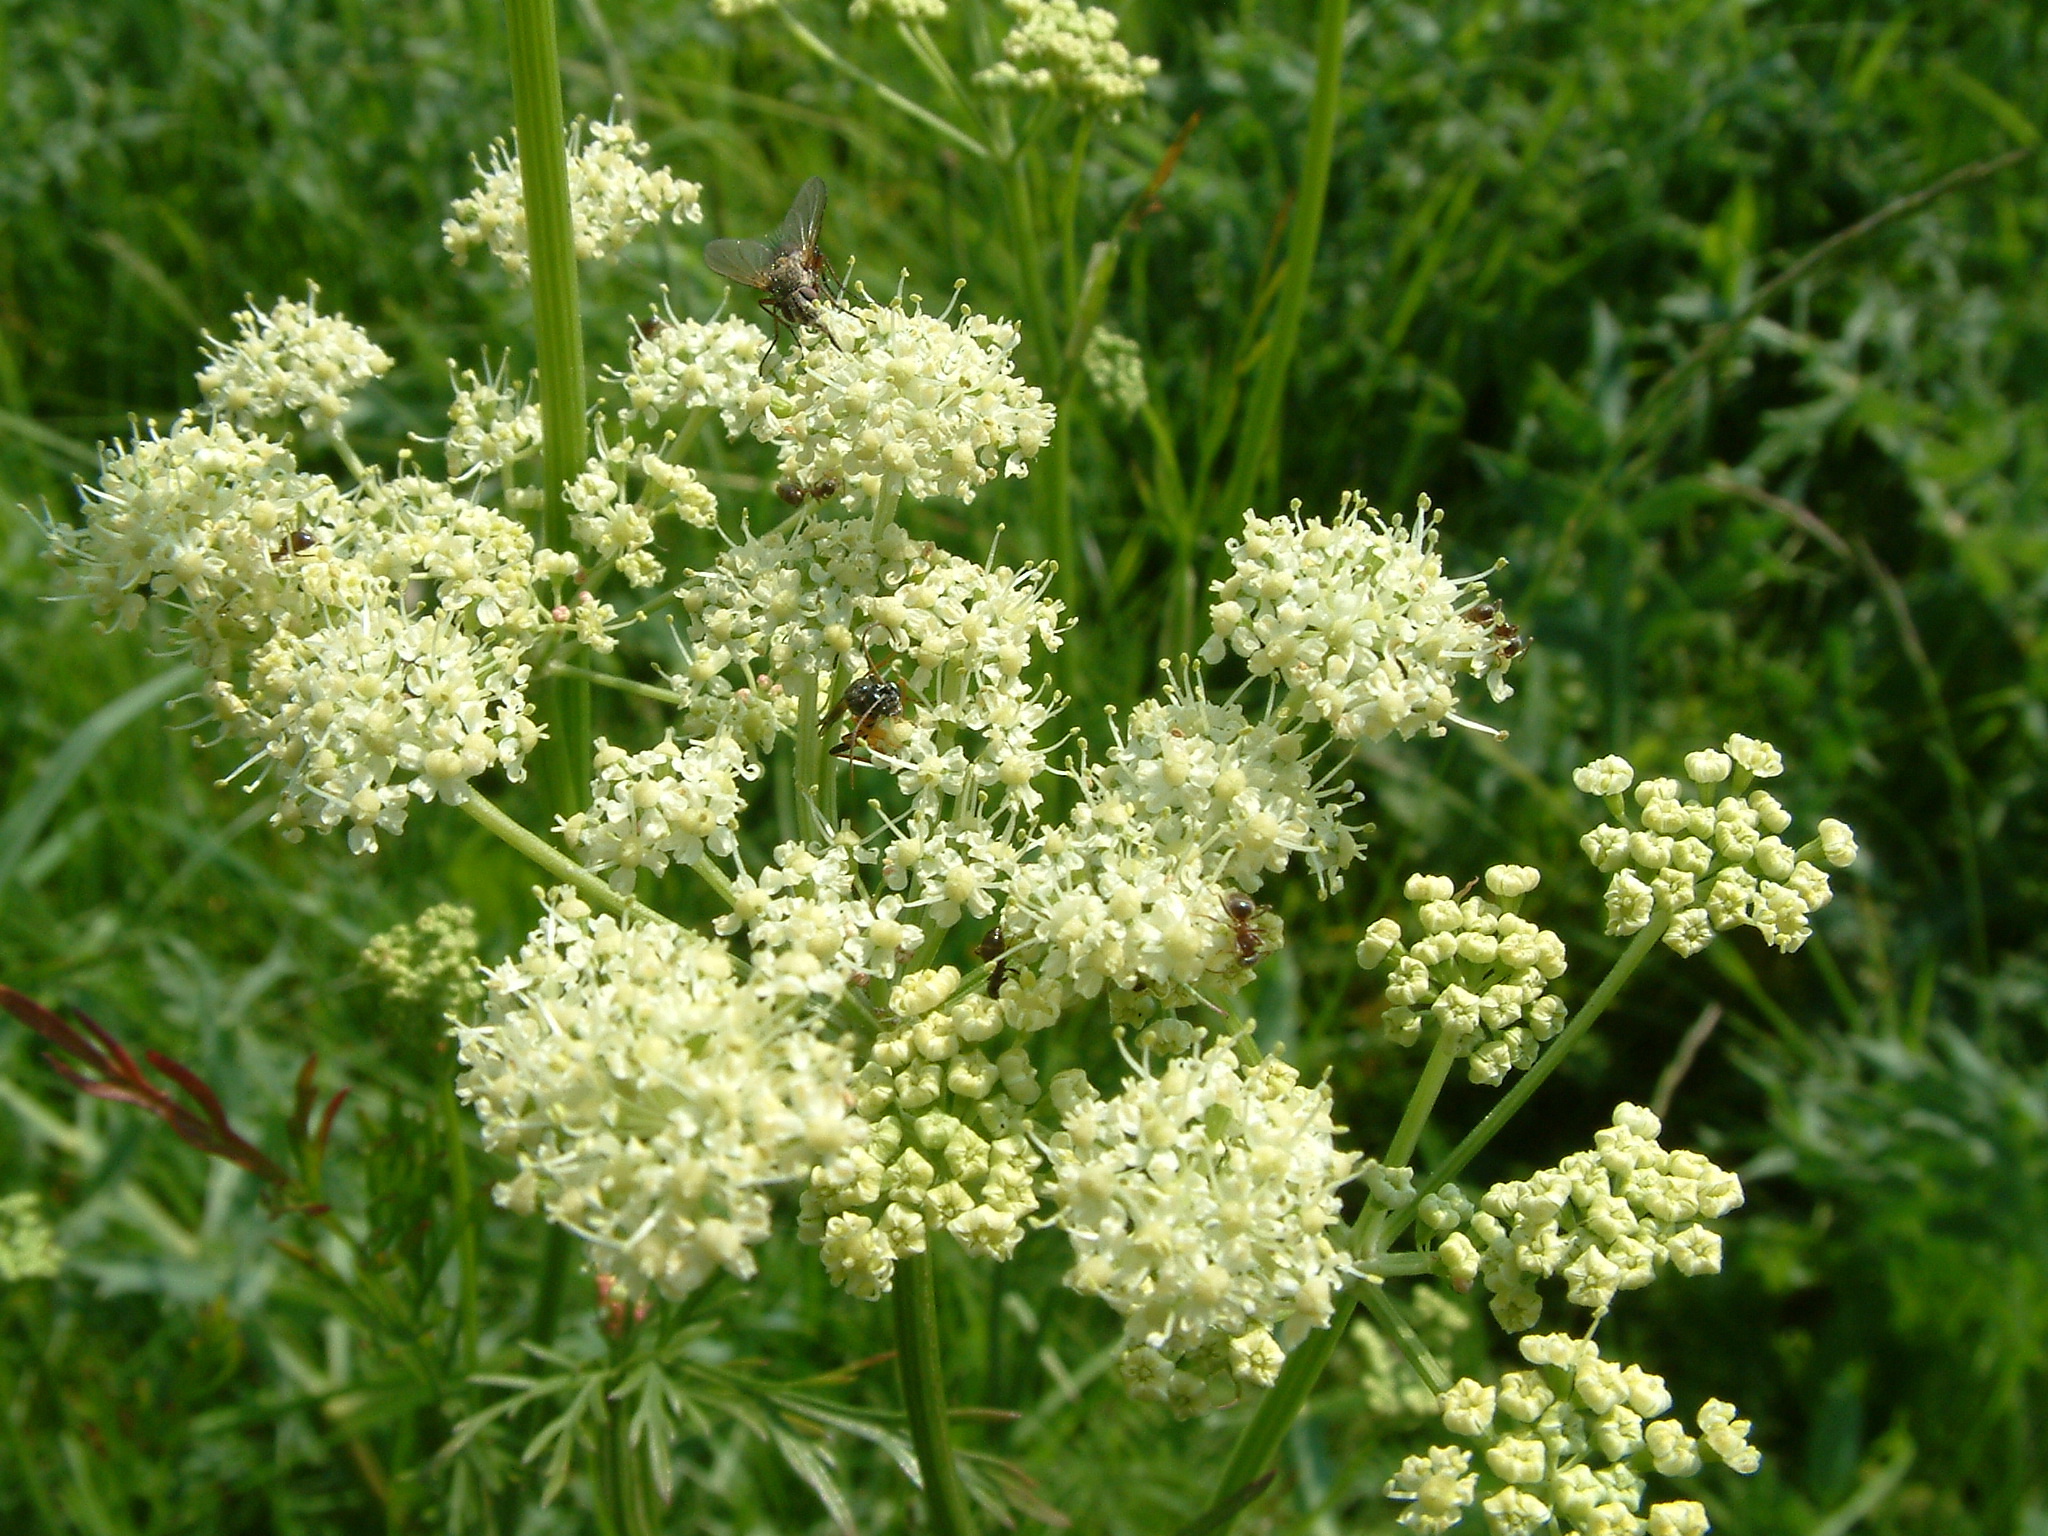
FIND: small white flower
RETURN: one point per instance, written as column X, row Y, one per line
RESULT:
column 1467, row 1409
column 897, row 10
column 1437, row 1489
column 1680, row 1517
column 1837, row 843
column 1758, row 757
column 1515, row 1512
column 1609, row 775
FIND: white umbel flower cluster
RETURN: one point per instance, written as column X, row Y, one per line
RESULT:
column 625, row 487
column 1062, row 48
column 1712, row 859
column 1566, row 1449
column 1201, row 1203
column 1194, row 805
column 612, row 198
column 1357, row 618
column 491, row 426
column 652, row 1097
column 290, row 361
column 895, row 401
column 1604, row 1221
column 815, row 603
column 674, row 364
column 949, row 1149
column 1480, row 973
column 672, row 804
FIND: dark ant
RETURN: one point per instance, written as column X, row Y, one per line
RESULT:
column 1241, row 910
column 297, row 542
column 990, row 949
column 795, row 493
column 1508, row 640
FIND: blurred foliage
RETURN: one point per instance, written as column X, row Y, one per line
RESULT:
column 1819, row 518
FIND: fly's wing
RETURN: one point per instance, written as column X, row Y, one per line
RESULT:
column 741, row 261
column 800, row 226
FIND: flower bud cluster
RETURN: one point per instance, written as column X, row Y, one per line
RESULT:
column 1604, row 1220
column 612, row 198
column 889, row 400
column 1479, row 975
column 1201, row 1203
column 1712, row 860
column 898, row 10
column 651, row 1095
column 1566, row 1448
column 430, row 960
column 1358, row 620
column 28, row 1246
column 948, row 1149
column 1062, row 48
column 1116, row 368
column 670, row 804
column 615, row 523
column 292, row 361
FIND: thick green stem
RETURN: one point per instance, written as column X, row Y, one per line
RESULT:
column 555, row 862
column 1435, row 1072
column 924, row 1396
column 558, row 342
column 1261, row 1438
column 462, row 1191
column 1262, row 410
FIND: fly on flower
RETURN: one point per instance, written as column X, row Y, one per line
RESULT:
column 793, row 275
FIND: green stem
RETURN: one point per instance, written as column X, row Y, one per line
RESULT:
column 1435, row 1072
column 462, row 1197
column 558, row 340
column 1262, row 410
column 924, row 1396
column 896, row 99
column 555, row 862
column 1553, row 1056
column 1374, row 1299
column 1260, row 1439
column 556, row 1256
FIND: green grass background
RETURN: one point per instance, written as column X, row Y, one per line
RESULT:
column 1819, row 520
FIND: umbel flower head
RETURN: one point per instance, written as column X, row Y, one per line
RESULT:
column 1566, row 1449
column 651, row 1095
column 884, row 399
column 430, row 960
column 1062, row 48
column 291, row 361
column 1603, row 1221
column 612, row 198
column 1358, row 620
column 1200, row 1202
column 1480, row 973
column 1712, row 859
